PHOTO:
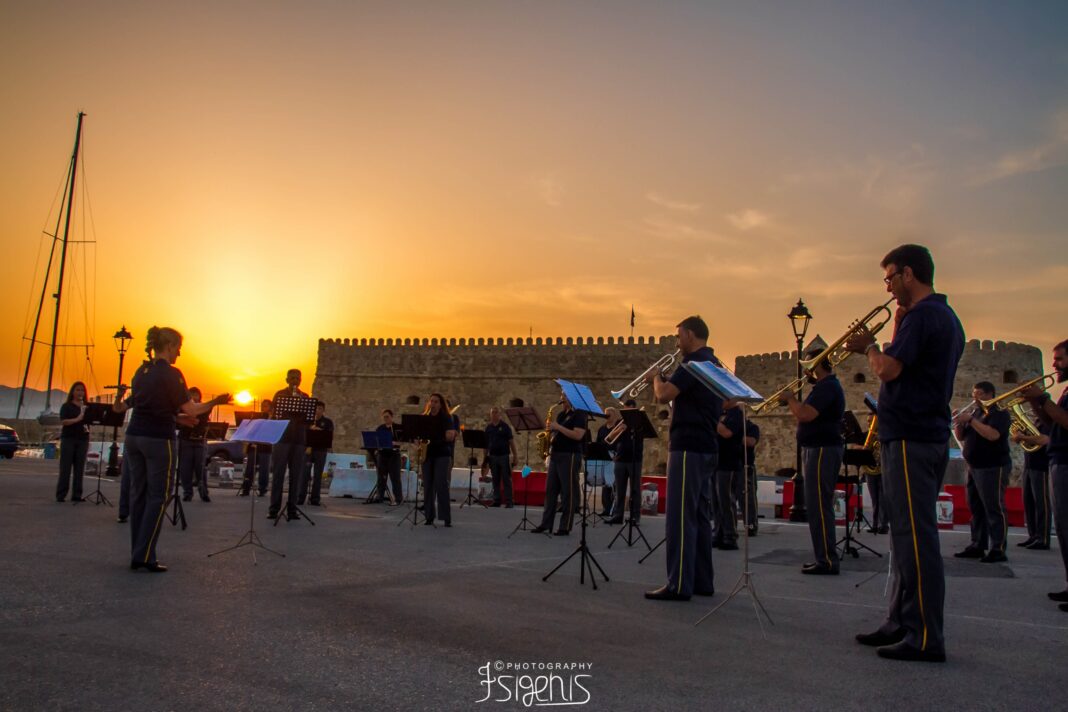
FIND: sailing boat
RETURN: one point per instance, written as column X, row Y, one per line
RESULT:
column 48, row 416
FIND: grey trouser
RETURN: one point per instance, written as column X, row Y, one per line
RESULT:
column 151, row 465
column 821, row 466
column 628, row 481
column 436, row 476
column 71, row 458
column 875, row 491
column 912, row 478
column 388, row 463
column 1058, row 475
column 986, row 499
column 501, row 471
column 725, row 529
column 190, row 463
column 688, row 524
column 286, row 455
column 1036, row 504
column 561, row 481
column 313, row 474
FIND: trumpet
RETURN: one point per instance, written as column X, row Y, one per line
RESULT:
column 1008, row 399
column 832, row 355
column 639, row 384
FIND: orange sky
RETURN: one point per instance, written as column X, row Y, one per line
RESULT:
column 261, row 175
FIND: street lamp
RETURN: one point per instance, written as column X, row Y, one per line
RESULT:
column 799, row 318
column 122, row 344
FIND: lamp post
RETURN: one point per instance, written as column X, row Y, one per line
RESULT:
column 122, row 343
column 799, row 318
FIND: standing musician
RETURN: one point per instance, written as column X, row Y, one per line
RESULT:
column 388, row 461
column 986, row 452
column 916, row 375
column 191, row 449
column 745, row 492
column 158, row 393
column 729, row 469
column 691, row 463
column 316, row 459
column 262, row 465
column 288, row 452
column 437, row 467
column 565, row 461
column 613, row 420
column 1055, row 415
column 501, row 444
column 630, row 451
column 73, row 444
column 819, row 432
column 1036, row 486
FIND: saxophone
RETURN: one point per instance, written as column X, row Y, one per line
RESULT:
column 872, row 443
column 545, row 436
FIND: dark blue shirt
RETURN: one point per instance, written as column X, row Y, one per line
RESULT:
column 828, row 399
column 696, row 409
column 981, row 453
column 752, row 430
column 569, row 419
column 928, row 343
column 731, row 449
column 78, row 431
column 497, row 437
column 326, row 425
column 157, row 391
column 1058, row 437
column 1039, row 459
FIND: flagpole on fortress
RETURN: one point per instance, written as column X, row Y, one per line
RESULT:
column 631, row 321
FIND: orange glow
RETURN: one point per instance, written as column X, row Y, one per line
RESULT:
column 243, row 398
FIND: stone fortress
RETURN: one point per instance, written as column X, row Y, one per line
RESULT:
column 357, row 378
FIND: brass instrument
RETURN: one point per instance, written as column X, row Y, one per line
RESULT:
column 832, row 355
column 1021, row 424
column 545, row 436
column 1010, row 398
column 639, row 384
column 871, row 442
column 615, row 433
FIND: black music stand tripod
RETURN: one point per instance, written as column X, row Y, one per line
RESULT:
column 596, row 451
column 524, row 419
column 416, row 428
column 101, row 414
column 373, row 443
column 857, row 458
column 474, row 440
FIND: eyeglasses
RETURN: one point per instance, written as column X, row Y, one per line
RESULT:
column 890, row 279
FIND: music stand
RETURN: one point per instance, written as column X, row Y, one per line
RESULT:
column 855, row 457
column 302, row 410
column 101, row 414
column 251, row 464
column 415, row 428
column 255, row 432
column 373, row 441
column 638, row 426
column 727, row 385
column 524, row 419
column 474, row 439
column 581, row 399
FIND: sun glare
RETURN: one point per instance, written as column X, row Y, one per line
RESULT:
column 243, row 398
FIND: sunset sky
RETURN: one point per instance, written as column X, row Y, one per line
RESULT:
column 263, row 174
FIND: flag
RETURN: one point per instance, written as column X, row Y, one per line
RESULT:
column 632, row 316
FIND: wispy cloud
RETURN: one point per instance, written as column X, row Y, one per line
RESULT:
column 1050, row 153
column 665, row 228
column 672, row 204
column 748, row 219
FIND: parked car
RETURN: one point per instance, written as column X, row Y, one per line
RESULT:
column 9, row 441
column 226, row 449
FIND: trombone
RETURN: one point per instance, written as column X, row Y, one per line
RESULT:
column 639, row 384
column 832, row 355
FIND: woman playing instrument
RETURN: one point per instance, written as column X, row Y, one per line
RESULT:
column 73, row 444
column 437, row 467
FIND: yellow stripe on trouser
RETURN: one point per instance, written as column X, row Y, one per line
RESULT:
column 682, row 521
column 570, row 493
column 819, row 498
column 915, row 544
column 162, row 507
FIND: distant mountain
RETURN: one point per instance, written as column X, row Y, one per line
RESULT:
column 32, row 405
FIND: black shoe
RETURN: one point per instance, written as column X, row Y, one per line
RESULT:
column 1038, row 546
column 615, row 520
column 878, row 639
column 187, row 498
column 242, row 494
column 752, row 531
column 428, row 522
column 872, row 530
column 290, row 516
column 904, row 651
column 205, row 498
column 122, row 520
column 1063, row 607
column 704, row 592
column 272, row 515
column 820, row 570
column 155, row 567
column 1027, row 543
column 61, row 499
column 540, row 529
column 970, row 552
column 509, row 505
column 1059, row 596
column 728, row 546
column 562, row 532
column 496, row 504
column 994, row 557
column 884, row 529
column 665, row 594
column 448, row 524
column 314, row 503
column 75, row 500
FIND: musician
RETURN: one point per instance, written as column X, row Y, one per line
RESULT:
column 1055, row 415
column 916, row 375
column 315, row 459
column 692, row 459
column 388, row 461
column 437, row 467
column 729, row 469
column 501, row 445
column 630, row 451
column 819, row 432
column 262, row 457
column 288, row 453
column 191, row 451
column 986, row 452
column 745, row 491
column 612, row 421
column 158, row 393
column 1036, row 486
column 567, row 430
column 73, row 444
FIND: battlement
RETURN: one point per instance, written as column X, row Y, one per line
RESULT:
column 500, row 341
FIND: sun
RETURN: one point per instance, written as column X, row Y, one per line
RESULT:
column 243, row 398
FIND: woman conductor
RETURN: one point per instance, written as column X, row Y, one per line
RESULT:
column 158, row 396
column 73, row 444
column 437, row 468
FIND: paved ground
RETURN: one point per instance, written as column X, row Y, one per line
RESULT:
column 363, row 614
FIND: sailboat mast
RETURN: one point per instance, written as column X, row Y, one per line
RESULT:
column 63, row 260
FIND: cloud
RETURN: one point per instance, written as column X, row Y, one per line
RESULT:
column 748, row 219
column 1050, row 153
column 671, row 204
column 666, row 228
